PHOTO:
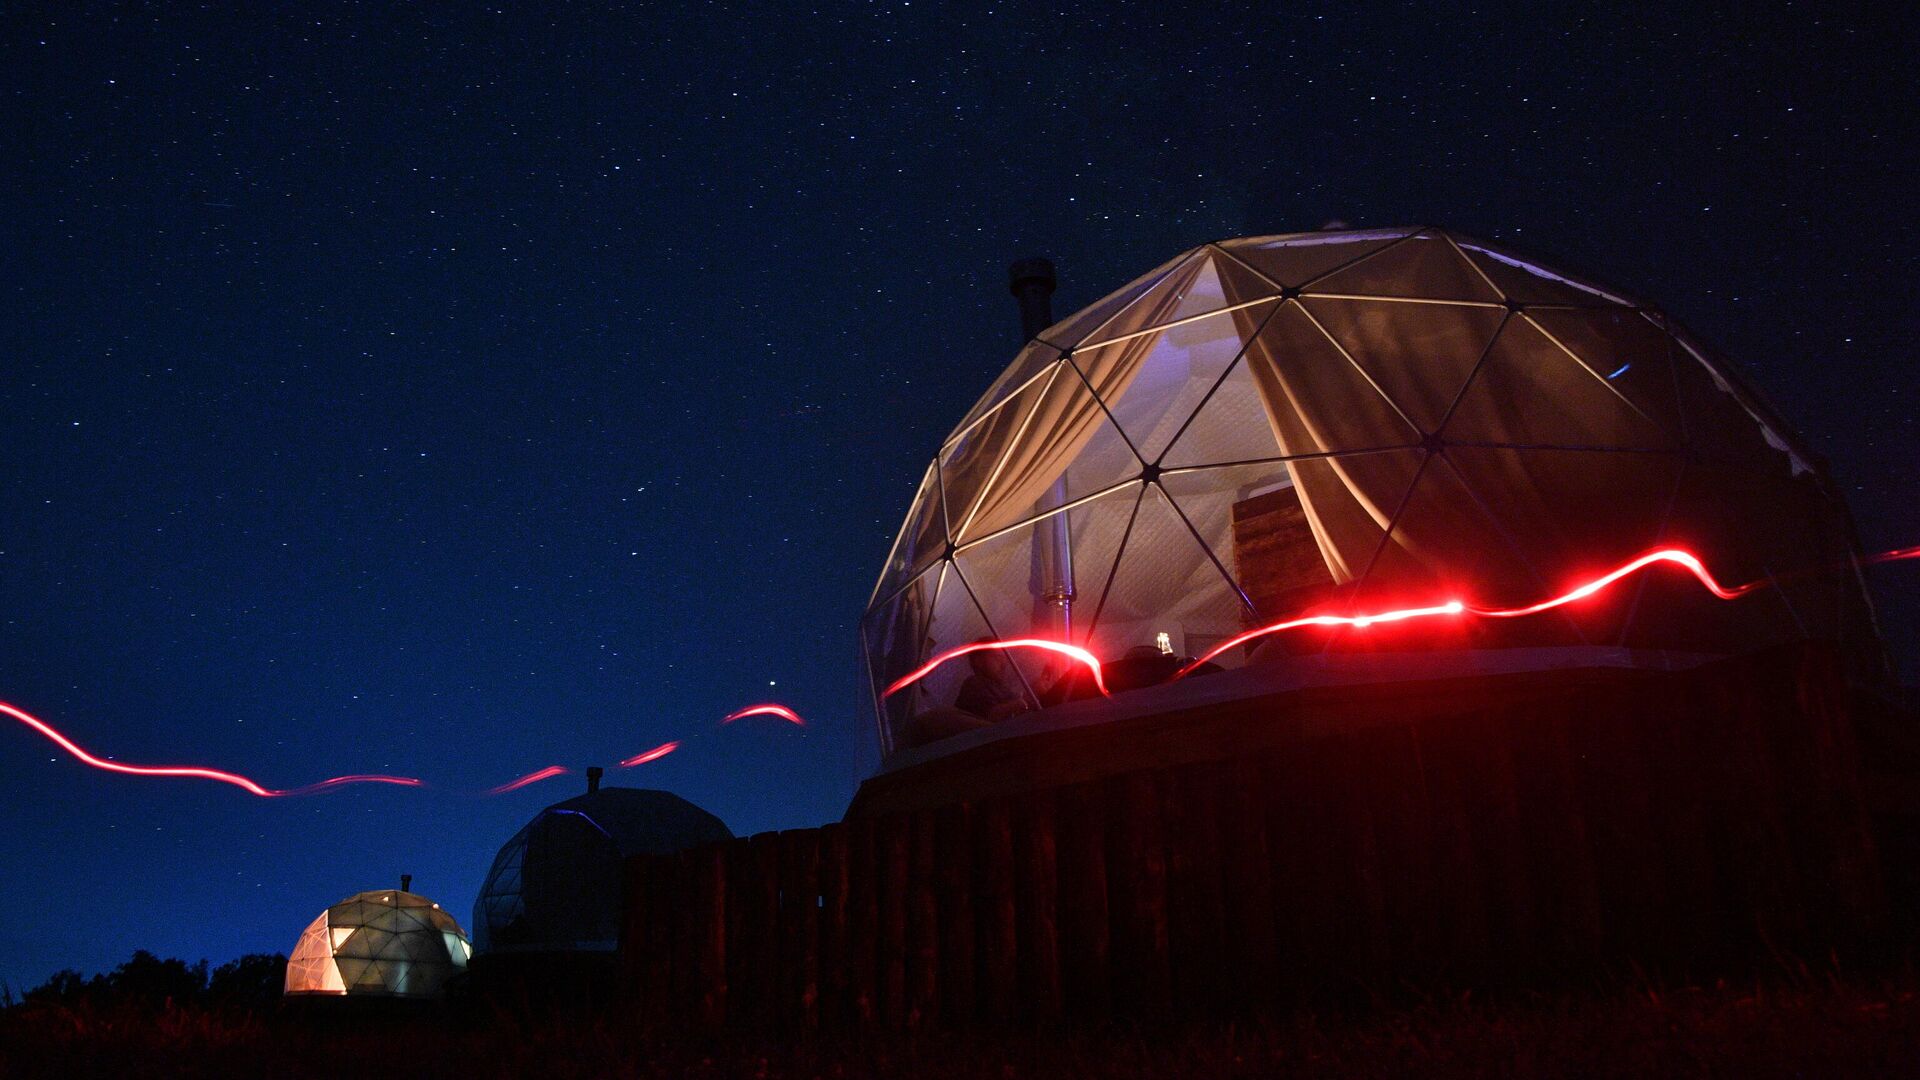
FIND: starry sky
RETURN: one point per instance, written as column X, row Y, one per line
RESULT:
column 459, row 392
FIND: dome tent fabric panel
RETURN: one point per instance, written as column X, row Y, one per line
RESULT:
column 1332, row 418
column 387, row 944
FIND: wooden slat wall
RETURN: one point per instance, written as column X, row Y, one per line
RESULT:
column 1707, row 818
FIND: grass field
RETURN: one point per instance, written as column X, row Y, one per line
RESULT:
column 1806, row 1027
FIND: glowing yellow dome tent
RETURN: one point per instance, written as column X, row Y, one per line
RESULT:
column 385, row 943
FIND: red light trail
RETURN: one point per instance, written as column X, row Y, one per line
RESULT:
column 654, row 754
column 1677, row 557
column 533, row 777
column 1071, row 652
column 769, row 709
column 1671, row 556
column 193, row 771
column 1895, row 555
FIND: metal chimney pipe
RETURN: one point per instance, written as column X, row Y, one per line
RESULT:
column 1032, row 282
column 406, row 882
column 593, row 778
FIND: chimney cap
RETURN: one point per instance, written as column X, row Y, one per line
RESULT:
column 406, row 882
column 594, row 772
column 1033, row 271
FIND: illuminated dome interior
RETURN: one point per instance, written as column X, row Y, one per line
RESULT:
column 386, row 943
column 1351, row 422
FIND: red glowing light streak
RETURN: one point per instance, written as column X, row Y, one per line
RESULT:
column 362, row 778
column 194, row 771
column 534, row 777
column 1676, row 556
column 1895, row 555
column 1071, row 652
column 769, row 709
column 654, row 754
column 1451, row 607
column 1671, row 556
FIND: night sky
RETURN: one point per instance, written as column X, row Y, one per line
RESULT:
column 458, row 394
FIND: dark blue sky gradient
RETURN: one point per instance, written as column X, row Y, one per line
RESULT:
column 458, row 394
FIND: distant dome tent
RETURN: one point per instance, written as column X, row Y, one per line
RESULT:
column 1345, row 422
column 556, row 886
column 385, row 943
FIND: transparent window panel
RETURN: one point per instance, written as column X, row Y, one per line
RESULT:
column 1529, row 391
column 1426, row 266
column 1205, row 286
column 896, row 642
column 1746, row 528
column 1293, row 392
column 1229, row 425
column 1254, row 520
column 1575, row 516
column 1418, row 355
column 1525, row 283
column 1070, row 448
column 1445, row 545
column 1032, row 362
column 971, row 462
column 922, row 538
column 1165, row 582
column 1297, row 259
column 1098, row 317
column 1627, row 354
column 1017, row 576
column 916, row 712
column 1170, row 373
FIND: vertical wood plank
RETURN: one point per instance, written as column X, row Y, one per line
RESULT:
column 996, row 918
column 834, row 959
column 893, row 849
column 1251, row 952
column 866, row 927
column 1137, row 886
column 923, row 922
column 1085, row 966
column 706, row 896
column 1037, row 907
column 1195, row 899
column 953, row 880
column 798, row 998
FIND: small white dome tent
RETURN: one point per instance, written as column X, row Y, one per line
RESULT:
column 384, row 943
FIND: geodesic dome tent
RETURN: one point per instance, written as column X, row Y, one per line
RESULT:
column 385, row 943
column 556, row 886
column 1350, row 422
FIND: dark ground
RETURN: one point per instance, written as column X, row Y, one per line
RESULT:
column 1807, row 1026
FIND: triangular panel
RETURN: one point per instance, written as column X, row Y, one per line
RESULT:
column 1166, row 582
column 1425, row 267
column 1627, row 354
column 1299, row 258
column 1525, row 283
column 1418, row 355
column 1529, row 391
column 1167, row 374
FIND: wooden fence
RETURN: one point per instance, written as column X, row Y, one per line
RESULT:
column 1686, row 821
